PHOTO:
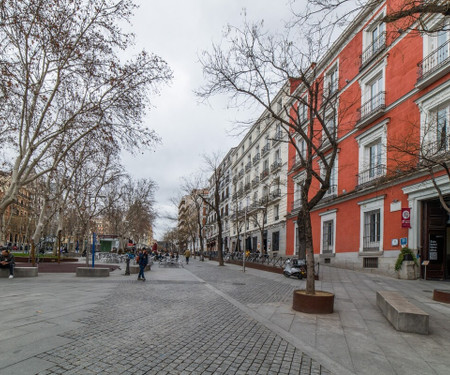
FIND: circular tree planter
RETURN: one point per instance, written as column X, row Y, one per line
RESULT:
column 319, row 303
column 441, row 295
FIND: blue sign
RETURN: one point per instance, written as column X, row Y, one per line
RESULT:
column 404, row 241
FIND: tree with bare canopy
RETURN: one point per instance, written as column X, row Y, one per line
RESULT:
column 63, row 79
column 280, row 76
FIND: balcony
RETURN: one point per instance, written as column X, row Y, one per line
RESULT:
column 265, row 149
column 248, row 166
column 277, row 138
column 240, row 193
column 371, row 110
column 255, row 181
column 296, row 204
column 264, row 200
column 241, row 172
column 256, row 158
column 371, row 176
column 378, row 45
column 432, row 152
column 275, row 194
column 434, row 66
column 235, row 179
column 264, row 174
column 331, row 192
column 276, row 165
column 297, row 163
column 247, row 186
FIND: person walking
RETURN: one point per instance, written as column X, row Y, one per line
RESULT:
column 143, row 261
column 187, row 255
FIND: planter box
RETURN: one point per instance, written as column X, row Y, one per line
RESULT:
column 408, row 271
column 319, row 303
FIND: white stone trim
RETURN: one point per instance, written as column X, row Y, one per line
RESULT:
column 328, row 216
column 366, row 206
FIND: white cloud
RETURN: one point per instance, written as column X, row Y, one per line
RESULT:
column 178, row 31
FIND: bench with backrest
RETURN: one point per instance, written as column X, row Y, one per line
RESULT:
column 20, row 272
column 401, row 313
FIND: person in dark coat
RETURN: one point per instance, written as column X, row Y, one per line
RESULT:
column 7, row 261
column 143, row 261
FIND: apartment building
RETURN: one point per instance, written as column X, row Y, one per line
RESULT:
column 220, row 181
column 260, row 188
column 392, row 92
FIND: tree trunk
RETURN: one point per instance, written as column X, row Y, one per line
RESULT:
column 305, row 247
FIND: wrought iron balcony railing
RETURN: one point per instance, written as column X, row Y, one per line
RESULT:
column 372, row 174
column 436, row 60
column 373, row 49
column 373, row 107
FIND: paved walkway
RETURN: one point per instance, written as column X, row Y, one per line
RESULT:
column 206, row 319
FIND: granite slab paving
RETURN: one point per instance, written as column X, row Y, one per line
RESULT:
column 206, row 319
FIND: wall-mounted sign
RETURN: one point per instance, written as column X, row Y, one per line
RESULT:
column 394, row 242
column 404, row 241
column 406, row 218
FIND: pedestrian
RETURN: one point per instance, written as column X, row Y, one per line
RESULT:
column 143, row 261
column 187, row 254
column 7, row 261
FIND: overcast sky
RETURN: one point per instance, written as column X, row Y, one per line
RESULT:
column 178, row 31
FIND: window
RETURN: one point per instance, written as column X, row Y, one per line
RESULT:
column 331, row 82
column 436, row 48
column 276, row 212
column 373, row 96
column 372, row 153
column 374, row 40
column 372, row 224
column 275, row 241
column 332, row 190
column 298, row 181
column 371, row 230
column 330, row 124
column 328, row 238
column 442, row 128
column 435, row 121
column 303, row 111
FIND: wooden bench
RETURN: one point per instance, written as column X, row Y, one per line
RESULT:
column 20, row 272
column 402, row 314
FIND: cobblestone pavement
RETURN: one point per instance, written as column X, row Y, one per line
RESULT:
column 179, row 327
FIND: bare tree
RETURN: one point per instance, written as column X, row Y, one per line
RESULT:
column 212, row 163
column 62, row 79
column 326, row 17
column 194, row 187
column 425, row 148
column 275, row 72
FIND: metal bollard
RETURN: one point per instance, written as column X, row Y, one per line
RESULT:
column 127, row 270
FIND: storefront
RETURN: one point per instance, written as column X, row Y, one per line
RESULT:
column 430, row 227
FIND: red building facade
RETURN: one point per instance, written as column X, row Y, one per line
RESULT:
column 392, row 123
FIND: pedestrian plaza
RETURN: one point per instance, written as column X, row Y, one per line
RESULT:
column 206, row 319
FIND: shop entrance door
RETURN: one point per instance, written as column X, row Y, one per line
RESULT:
column 434, row 244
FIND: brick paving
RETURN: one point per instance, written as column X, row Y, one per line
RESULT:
column 178, row 327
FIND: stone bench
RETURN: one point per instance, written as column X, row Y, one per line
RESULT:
column 20, row 272
column 402, row 314
column 134, row 268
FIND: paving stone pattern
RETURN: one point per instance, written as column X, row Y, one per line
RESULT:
column 178, row 328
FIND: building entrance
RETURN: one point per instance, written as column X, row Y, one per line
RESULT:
column 435, row 241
